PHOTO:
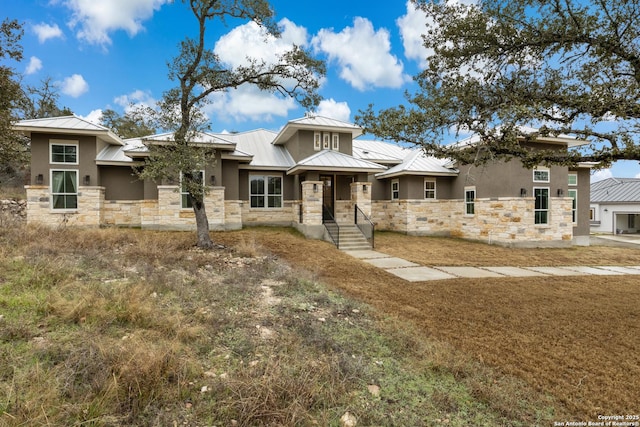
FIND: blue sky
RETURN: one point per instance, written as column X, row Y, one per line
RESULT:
column 111, row 53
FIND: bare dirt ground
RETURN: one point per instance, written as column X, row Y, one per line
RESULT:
column 573, row 338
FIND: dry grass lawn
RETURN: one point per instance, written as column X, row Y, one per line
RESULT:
column 573, row 338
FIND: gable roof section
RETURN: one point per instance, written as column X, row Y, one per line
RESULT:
column 567, row 140
column 616, row 190
column 265, row 155
column 379, row 151
column 418, row 163
column 317, row 123
column 203, row 139
column 328, row 160
column 69, row 125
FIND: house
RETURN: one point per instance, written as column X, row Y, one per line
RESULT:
column 615, row 206
column 316, row 174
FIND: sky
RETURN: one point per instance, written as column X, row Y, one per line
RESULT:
column 109, row 54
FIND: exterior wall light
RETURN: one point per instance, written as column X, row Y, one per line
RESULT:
column 560, row 192
column 523, row 192
column 86, row 180
column 39, row 179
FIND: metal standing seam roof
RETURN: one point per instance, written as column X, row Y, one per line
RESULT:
column 258, row 144
column 317, row 123
column 203, row 138
column 68, row 124
column 571, row 141
column 616, row 190
column 418, row 163
column 335, row 161
column 379, row 151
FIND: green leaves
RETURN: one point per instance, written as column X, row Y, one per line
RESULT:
column 569, row 66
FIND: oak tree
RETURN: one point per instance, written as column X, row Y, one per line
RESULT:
column 199, row 73
column 562, row 66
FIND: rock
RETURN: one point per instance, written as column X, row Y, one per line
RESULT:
column 374, row 390
column 348, row 420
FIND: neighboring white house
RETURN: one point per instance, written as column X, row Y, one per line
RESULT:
column 615, row 206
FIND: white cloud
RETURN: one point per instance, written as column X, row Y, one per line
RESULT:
column 34, row 65
column 137, row 98
column 94, row 116
column 601, row 174
column 74, row 86
column 96, row 19
column 412, row 26
column 252, row 41
column 334, row 110
column 363, row 55
column 247, row 103
column 46, row 32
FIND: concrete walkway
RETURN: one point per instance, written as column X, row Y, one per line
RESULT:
column 413, row 272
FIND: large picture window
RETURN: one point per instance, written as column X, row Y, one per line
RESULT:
column 470, row 201
column 265, row 191
column 541, row 210
column 185, row 202
column 541, row 175
column 63, row 153
column 64, row 189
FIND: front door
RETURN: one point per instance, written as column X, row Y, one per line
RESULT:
column 327, row 197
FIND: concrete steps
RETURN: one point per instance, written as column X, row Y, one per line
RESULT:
column 352, row 239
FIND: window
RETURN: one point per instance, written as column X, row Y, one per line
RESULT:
column 317, row 141
column 574, row 209
column 592, row 214
column 573, row 179
column 541, row 210
column 469, row 201
column 395, row 189
column 185, row 202
column 631, row 221
column 64, row 153
column 429, row 188
column 541, row 175
column 265, row 191
column 325, row 141
column 64, row 189
column 335, row 141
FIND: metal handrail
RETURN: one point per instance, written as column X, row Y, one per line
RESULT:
column 365, row 224
column 334, row 229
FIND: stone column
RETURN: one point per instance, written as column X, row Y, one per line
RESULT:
column 90, row 206
column 312, row 202
column 361, row 196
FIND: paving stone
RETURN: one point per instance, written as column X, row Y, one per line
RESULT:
column 555, row 271
column 419, row 274
column 391, row 262
column 515, row 271
column 366, row 254
column 593, row 270
column 623, row 270
column 470, row 272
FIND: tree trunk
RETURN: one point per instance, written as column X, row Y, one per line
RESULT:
column 202, row 225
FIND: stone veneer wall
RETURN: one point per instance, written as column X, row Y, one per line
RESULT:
column 167, row 213
column 233, row 214
column 286, row 215
column 123, row 213
column 89, row 212
column 503, row 220
column 343, row 211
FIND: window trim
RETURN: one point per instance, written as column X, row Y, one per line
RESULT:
column 183, row 193
column 470, row 203
column 395, row 194
column 434, row 190
column 547, row 210
column 66, row 143
column 570, row 174
column 335, row 141
column 52, row 194
column 317, row 141
column 266, row 193
column 574, row 206
column 542, row 169
column 326, row 141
